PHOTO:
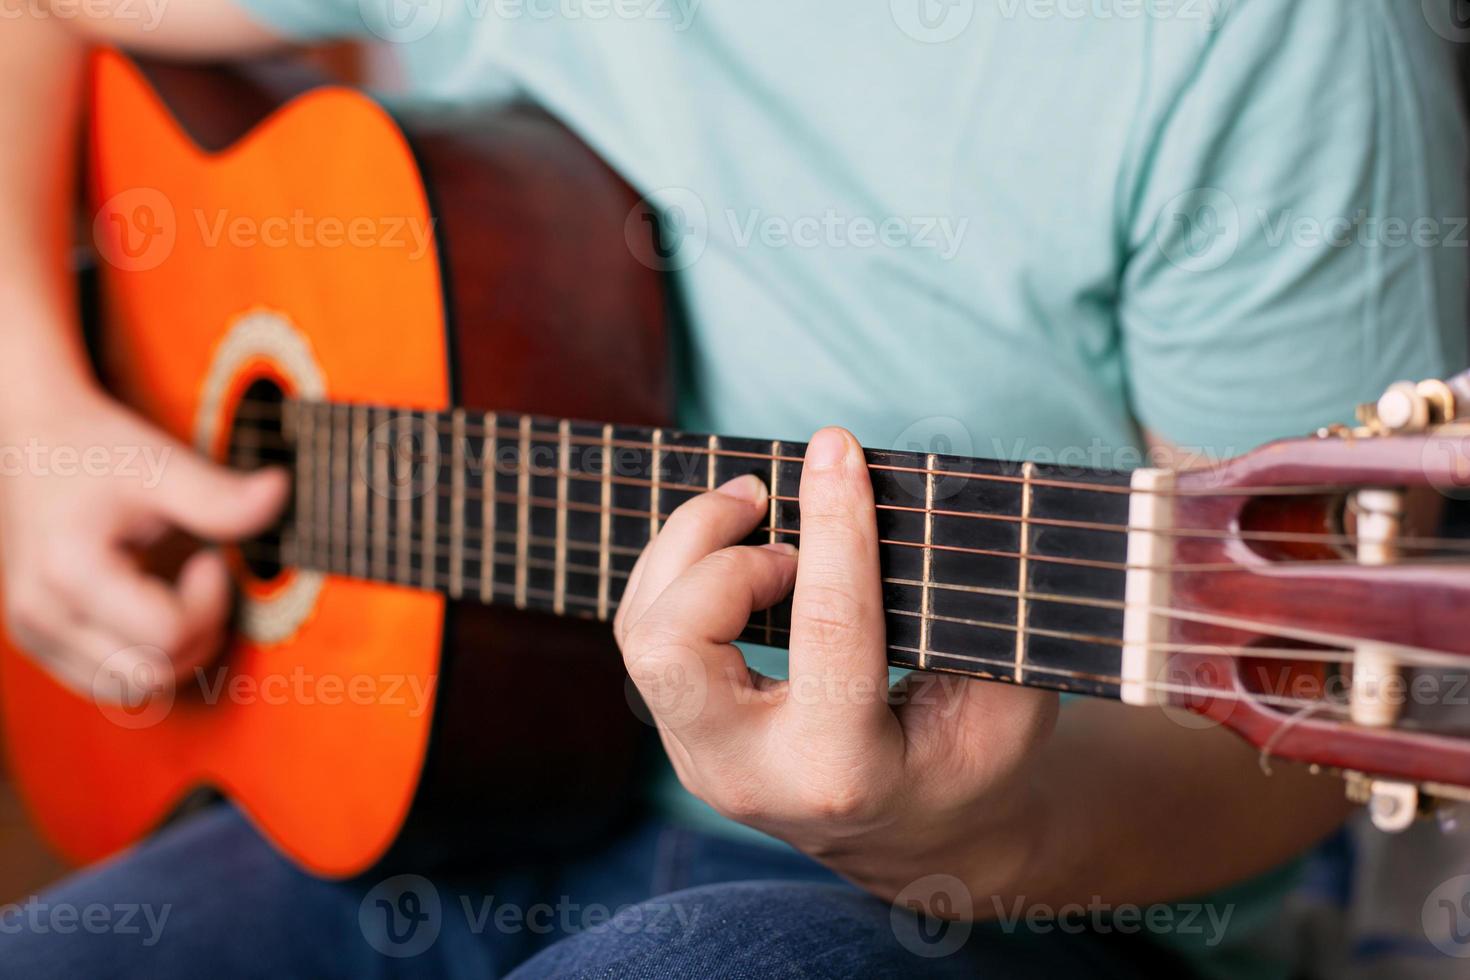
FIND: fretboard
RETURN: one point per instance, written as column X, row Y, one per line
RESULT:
column 1003, row 571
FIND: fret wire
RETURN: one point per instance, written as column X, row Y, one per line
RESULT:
column 774, row 490
column 559, row 583
column 487, row 509
column 1023, row 573
column 456, row 505
column 323, row 468
column 359, row 490
column 656, row 473
column 404, row 516
column 380, row 459
column 341, row 461
column 305, row 445
column 523, row 510
column 430, row 516
column 604, row 528
column 925, row 595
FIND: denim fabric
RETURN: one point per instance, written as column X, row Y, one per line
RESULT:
column 208, row 898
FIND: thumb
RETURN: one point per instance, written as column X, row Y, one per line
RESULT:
column 219, row 504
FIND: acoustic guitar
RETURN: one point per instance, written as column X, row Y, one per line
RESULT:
column 422, row 659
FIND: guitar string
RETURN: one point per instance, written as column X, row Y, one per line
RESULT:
column 319, row 553
column 444, row 535
column 1007, row 667
column 1452, row 545
column 326, row 410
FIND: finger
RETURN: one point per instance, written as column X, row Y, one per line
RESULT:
column 839, row 667
column 100, row 666
column 216, row 503
column 681, row 654
column 120, row 598
column 702, row 525
column 206, row 596
column 630, row 589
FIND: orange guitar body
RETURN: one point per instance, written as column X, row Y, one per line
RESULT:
column 329, row 731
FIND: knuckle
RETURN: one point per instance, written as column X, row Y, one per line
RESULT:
column 652, row 637
column 839, row 799
column 737, row 800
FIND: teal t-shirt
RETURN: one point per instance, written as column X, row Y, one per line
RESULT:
column 1008, row 228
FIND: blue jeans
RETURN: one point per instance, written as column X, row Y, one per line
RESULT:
column 208, row 898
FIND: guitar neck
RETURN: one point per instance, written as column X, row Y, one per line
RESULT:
column 1002, row 571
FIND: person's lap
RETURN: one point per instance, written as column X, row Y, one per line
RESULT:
column 209, row 898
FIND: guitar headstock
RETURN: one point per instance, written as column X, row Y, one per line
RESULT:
column 1317, row 599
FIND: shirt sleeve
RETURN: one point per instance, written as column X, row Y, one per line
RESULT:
column 1296, row 235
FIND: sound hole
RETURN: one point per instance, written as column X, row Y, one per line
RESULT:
column 258, row 439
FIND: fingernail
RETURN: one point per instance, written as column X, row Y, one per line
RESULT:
column 828, row 448
column 781, row 548
column 748, row 487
